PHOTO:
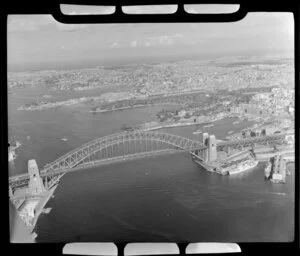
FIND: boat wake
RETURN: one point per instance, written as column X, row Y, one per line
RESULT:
column 277, row 193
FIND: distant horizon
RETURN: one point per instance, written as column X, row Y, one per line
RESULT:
column 152, row 60
column 39, row 42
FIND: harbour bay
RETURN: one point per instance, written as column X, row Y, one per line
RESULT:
column 162, row 198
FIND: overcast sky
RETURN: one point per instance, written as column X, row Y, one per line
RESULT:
column 40, row 38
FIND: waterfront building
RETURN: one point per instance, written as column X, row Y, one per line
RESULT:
column 182, row 113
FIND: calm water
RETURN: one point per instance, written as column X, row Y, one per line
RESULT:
column 162, row 198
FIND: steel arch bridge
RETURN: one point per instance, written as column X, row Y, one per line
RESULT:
column 121, row 145
column 141, row 143
column 112, row 147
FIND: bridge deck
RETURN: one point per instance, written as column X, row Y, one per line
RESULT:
column 76, row 156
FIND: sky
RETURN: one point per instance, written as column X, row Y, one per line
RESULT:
column 41, row 40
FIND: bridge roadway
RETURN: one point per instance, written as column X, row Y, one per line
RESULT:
column 76, row 156
column 248, row 142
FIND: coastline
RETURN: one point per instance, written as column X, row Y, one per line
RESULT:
column 117, row 109
column 131, row 107
column 157, row 127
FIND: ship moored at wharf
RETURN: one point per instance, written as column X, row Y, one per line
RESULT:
column 242, row 166
column 235, row 160
column 278, row 173
column 267, row 170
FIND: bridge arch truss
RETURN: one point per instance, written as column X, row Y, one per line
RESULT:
column 112, row 146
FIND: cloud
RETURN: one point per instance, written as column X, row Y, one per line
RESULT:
column 133, row 43
column 147, row 44
column 19, row 25
column 194, row 26
column 164, row 40
column 115, row 45
column 48, row 19
column 70, row 27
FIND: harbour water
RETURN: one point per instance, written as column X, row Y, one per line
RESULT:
column 161, row 198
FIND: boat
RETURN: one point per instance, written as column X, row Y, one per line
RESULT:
column 127, row 128
column 242, row 166
column 267, row 170
column 236, row 122
column 208, row 125
column 231, row 132
column 11, row 155
column 279, row 172
column 277, row 178
column 47, row 210
column 197, row 132
column 34, row 235
column 64, row 139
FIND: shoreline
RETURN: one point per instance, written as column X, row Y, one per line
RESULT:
column 174, row 125
column 131, row 107
column 117, row 109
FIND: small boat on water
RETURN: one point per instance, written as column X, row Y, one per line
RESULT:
column 64, row 139
column 11, row 155
column 208, row 125
column 231, row 132
column 197, row 132
column 34, row 235
column 267, row 170
column 236, row 122
column 47, row 210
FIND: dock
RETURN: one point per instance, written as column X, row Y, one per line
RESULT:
column 210, row 167
column 30, row 201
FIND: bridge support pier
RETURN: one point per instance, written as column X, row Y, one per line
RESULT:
column 212, row 149
column 210, row 155
column 205, row 139
column 36, row 185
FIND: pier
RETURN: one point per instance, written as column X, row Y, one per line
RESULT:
column 30, row 201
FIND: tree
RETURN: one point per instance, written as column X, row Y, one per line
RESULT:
column 187, row 115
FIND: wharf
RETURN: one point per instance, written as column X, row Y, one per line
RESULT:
column 29, row 207
column 210, row 167
column 40, row 207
